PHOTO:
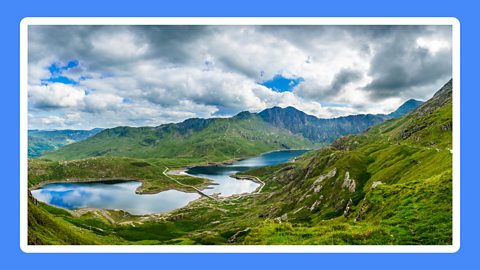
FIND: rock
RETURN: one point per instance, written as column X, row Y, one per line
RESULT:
column 316, row 186
column 317, row 189
column 284, row 217
column 376, row 183
column 330, row 174
column 361, row 211
column 349, row 183
column 298, row 210
column 238, row 234
column 447, row 127
column 314, row 205
column 347, row 208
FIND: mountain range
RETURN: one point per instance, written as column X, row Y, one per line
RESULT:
column 42, row 141
column 216, row 139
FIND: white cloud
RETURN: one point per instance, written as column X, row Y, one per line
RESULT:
column 98, row 102
column 55, row 95
column 118, row 45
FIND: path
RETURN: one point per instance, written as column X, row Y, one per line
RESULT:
column 188, row 186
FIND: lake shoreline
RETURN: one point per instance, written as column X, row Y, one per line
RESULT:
column 183, row 170
column 112, row 181
column 179, row 172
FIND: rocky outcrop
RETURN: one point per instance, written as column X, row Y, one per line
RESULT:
column 238, row 234
column 317, row 184
column 316, row 203
column 376, row 183
column 347, row 208
column 362, row 210
column 441, row 98
column 349, row 183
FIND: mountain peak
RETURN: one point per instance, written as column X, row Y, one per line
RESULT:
column 277, row 109
column 243, row 115
column 406, row 107
column 439, row 99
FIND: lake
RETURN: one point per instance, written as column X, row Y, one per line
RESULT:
column 121, row 194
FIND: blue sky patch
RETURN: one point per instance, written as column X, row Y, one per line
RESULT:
column 56, row 73
column 281, row 84
column 55, row 69
column 60, row 79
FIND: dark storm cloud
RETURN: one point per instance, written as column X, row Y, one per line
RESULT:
column 344, row 77
column 323, row 92
column 400, row 65
column 169, row 44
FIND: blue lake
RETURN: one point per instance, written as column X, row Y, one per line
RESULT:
column 121, row 194
column 227, row 185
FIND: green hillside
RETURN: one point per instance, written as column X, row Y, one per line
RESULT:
column 389, row 185
column 195, row 140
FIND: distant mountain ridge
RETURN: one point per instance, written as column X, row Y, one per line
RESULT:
column 216, row 139
column 406, row 107
column 43, row 141
column 316, row 129
column 320, row 130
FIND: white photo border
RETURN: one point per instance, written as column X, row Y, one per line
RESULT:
column 25, row 247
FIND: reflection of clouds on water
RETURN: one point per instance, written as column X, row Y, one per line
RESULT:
column 42, row 195
column 228, row 186
column 112, row 196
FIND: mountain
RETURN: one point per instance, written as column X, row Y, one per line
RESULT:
column 406, row 107
column 216, row 139
column 327, row 130
column 319, row 130
column 42, row 141
column 193, row 141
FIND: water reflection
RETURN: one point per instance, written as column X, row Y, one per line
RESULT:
column 227, row 185
column 119, row 195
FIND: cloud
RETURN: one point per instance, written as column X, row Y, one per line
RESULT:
column 335, row 87
column 149, row 75
column 98, row 103
column 55, row 95
column 405, row 62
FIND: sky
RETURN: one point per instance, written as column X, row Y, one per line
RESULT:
column 83, row 77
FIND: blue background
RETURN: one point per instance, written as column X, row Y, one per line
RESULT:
column 10, row 16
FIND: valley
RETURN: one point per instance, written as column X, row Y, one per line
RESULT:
column 367, row 179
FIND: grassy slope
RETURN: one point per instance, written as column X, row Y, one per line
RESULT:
column 48, row 226
column 222, row 139
column 410, row 156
